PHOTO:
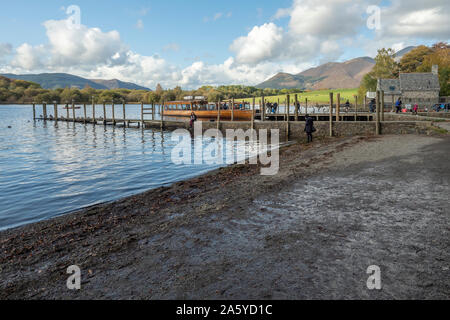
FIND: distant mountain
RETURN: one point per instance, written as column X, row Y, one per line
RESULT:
column 63, row 80
column 117, row 84
column 332, row 75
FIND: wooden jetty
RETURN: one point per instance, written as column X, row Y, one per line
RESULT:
column 330, row 119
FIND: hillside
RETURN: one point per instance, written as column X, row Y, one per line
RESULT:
column 63, row 80
column 332, row 75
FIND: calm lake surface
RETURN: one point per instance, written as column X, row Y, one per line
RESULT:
column 48, row 169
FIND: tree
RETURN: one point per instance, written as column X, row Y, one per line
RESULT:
column 159, row 89
column 414, row 59
column 385, row 65
column 440, row 57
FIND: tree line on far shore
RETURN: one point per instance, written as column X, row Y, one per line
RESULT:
column 25, row 92
column 420, row 59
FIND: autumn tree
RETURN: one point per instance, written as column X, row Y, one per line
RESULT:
column 411, row 61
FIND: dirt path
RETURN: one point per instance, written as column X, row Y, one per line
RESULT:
column 309, row 232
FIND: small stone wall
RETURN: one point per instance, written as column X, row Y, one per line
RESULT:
column 296, row 129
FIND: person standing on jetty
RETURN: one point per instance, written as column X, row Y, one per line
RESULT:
column 193, row 119
column 309, row 128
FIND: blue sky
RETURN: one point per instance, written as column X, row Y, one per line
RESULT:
column 190, row 43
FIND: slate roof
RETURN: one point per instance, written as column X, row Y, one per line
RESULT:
column 419, row 82
column 389, row 86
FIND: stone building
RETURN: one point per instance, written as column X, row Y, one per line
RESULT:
column 420, row 88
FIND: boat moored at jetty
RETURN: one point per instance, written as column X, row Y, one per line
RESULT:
column 208, row 110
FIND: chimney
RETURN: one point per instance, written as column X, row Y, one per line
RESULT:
column 435, row 69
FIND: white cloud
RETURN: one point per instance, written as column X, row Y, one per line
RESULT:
column 316, row 32
column 29, row 57
column 261, row 44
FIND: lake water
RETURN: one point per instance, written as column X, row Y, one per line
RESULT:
column 48, row 169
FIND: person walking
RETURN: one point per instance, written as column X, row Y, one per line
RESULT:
column 309, row 128
column 398, row 105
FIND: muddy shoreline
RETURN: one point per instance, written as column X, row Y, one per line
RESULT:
column 234, row 234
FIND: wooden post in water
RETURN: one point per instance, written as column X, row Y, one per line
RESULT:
column 382, row 105
column 73, row 111
column 377, row 116
column 338, row 107
column 34, row 111
column 356, row 108
column 113, row 114
column 124, row 114
column 104, row 113
column 162, row 115
column 93, row 112
column 232, row 109
column 67, row 112
column 153, row 111
column 44, row 106
column 56, row 111
column 85, row 112
column 142, row 114
column 331, row 114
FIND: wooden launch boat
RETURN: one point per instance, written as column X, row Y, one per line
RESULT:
column 207, row 110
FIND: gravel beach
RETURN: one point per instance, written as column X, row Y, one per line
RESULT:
column 335, row 208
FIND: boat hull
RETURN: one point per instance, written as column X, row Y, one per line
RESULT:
column 212, row 114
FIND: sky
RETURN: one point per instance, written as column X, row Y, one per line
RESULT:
column 207, row 42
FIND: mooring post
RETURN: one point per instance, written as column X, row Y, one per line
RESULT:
column 104, row 113
column 263, row 109
column 113, row 113
column 34, row 111
column 124, row 114
column 253, row 113
column 162, row 115
column 338, row 107
column 331, row 114
column 85, row 112
column 382, row 105
column 142, row 114
column 218, row 115
column 93, row 112
column 67, row 112
column 73, row 112
column 153, row 111
column 56, row 111
column 44, row 107
column 377, row 116
column 232, row 109
column 288, row 106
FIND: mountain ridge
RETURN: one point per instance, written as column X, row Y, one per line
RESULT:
column 331, row 75
column 63, row 80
